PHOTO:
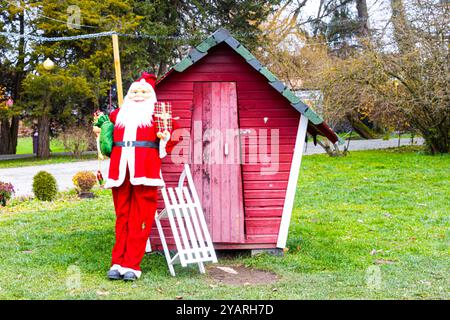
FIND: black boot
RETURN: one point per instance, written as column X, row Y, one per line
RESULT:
column 114, row 275
column 129, row 276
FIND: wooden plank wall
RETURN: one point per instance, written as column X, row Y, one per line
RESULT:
column 263, row 194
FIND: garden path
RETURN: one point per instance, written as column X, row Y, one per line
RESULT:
column 22, row 177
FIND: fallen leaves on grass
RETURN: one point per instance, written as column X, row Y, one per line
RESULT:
column 102, row 293
column 375, row 251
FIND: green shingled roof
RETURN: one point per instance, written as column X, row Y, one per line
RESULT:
column 222, row 35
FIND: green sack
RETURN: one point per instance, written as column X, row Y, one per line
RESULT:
column 106, row 135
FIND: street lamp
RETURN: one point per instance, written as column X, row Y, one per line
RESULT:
column 48, row 64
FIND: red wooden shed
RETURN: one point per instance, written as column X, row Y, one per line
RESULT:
column 234, row 109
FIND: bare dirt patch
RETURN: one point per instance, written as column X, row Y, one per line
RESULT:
column 240, row 275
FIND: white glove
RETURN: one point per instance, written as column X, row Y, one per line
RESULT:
column 163, row 143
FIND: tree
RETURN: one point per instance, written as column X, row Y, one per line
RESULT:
column 299, row 58
column 50, row 95
column 163, row 31
column 404, row 87
column 421, row 68
column 363, row 18
column 399, row 23
column 157, row 35
column 91, row 58
column 341, row 22
column 86, row 64
column 352, row 89
column 178, row 24
column 285, row 54
column 12, row 71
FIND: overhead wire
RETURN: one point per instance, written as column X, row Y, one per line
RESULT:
column 41, row 38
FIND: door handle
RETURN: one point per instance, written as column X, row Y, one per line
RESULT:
column 225, row 149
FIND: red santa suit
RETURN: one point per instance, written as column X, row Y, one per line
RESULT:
column 135, row 174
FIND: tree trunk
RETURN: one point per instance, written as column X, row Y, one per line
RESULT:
column 363, row 15
column 43, row 151
column 437, row 141
column 9, row 128
column 162, row 68
column 358, row 126
column 400, row 24
column 20, row 66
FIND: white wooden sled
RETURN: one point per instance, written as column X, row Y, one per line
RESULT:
column 188, row 225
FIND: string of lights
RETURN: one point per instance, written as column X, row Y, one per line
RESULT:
column 39, row 38
column 347, row 21
column 54, row 39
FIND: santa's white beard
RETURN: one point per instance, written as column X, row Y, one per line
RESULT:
column 135, row 114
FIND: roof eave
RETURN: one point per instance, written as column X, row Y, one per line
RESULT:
column 222, row 35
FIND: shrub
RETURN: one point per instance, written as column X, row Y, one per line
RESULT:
column 84, row 181
column 76, row 140
column 6, row 191
column 44, row 186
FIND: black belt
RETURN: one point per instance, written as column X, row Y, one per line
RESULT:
column 148, row 144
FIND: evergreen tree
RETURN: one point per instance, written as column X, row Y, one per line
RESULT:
column 13, row 65
column 54, row 95
column 343, row 23
column 161, row 32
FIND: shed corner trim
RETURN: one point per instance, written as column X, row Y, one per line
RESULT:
column 292, row 182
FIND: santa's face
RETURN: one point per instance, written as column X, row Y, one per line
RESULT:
column 138, row 106
column 140, row 92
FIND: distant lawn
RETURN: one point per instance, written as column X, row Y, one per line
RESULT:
column 374, row 224
column 392, row 136
column 36, row 162
column 25, row 145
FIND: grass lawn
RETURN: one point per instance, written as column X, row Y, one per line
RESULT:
column 37, row 162
column 25, row 145
column 374, row 224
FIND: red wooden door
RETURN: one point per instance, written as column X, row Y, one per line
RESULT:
column 215, row 154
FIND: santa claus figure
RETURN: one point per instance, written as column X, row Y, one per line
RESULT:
column 135, row 175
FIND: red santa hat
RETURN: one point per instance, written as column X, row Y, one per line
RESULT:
column 149, row 78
